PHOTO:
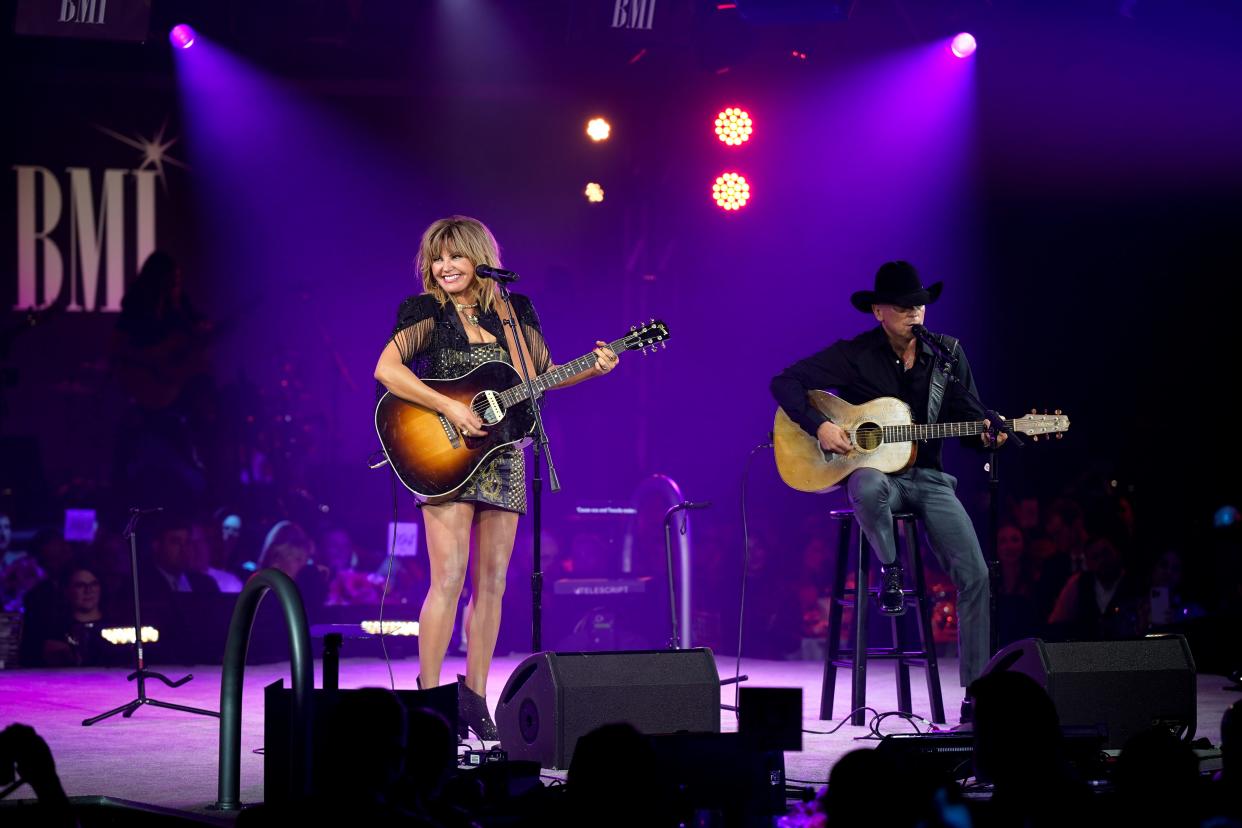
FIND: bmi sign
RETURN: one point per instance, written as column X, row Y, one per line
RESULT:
column 91, row 19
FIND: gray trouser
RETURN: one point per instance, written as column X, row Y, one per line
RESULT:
column 930, row 496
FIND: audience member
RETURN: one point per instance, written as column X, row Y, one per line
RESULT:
column 74, row 638
column 1157, row 780
column 44, row 602
column 1104, row 600
column 1018, row 749
column 349, row 585
column 1016, row 614
column 206, row 557
column 32, row 759
column 611, row 764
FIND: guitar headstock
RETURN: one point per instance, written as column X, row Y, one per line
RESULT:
column 642, row 337
column 1045, row 424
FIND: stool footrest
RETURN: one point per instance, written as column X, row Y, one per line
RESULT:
column 916, row 657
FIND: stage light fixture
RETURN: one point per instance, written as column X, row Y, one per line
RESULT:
column 182, row 36
column 963, row 45
column 734, row 126
column 731, row 191
column 125, row 635
column 407, row 628
column 594, row 193
column 598, row 129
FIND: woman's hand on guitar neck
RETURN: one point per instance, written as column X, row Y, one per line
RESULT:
column 833, row 438
column 605, row 359
column 462, row 418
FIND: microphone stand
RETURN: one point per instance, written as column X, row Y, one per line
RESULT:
column 946, row 362
column 541, row 447
column 674, row 640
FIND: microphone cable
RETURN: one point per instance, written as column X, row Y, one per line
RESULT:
column 741, row 606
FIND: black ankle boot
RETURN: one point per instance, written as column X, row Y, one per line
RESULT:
column 472, row 714
column 892, row 599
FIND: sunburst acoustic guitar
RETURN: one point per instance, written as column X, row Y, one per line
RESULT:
column 433, row 459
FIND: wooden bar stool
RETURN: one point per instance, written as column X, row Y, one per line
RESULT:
column 856, row 657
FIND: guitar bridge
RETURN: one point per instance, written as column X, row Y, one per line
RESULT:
column 449, row 431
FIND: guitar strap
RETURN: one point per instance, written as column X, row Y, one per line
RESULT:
column 513, row 336
column 936, row 389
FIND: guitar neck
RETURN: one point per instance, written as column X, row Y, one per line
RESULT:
column 559, row 374
column 932, row 431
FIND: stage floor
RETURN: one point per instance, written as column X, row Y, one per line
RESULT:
column 169, row 758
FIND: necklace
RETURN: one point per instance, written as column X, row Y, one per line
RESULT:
column 472, row 318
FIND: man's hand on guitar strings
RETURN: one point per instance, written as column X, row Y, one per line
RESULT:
column 834, row 438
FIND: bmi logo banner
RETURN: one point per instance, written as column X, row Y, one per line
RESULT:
column 94, row 19
column 88, row 220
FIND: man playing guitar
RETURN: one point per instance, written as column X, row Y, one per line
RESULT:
column 890, row 361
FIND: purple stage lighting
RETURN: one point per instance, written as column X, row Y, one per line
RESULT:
column 181, row 36
column 963, row 45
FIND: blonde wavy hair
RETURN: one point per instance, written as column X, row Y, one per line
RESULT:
column 460, row 234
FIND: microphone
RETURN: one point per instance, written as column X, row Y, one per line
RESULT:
column 925, row 336
column 488, row 272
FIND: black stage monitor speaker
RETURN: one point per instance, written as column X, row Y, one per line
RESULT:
column 553, row 699
column 1127, row 686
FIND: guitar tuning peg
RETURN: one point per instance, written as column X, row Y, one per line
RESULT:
column 633, row 327
column 1035, row 438
column 1057, row 411
column 652, row 322
column 663, row 345
column 1059, row 436
column 1033, row 411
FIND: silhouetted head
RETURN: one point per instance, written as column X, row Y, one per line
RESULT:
column 1156, row 777
column 613, row 773
column 433, row 752
column 1016, row 730
column 362, row 754
column 857, row 783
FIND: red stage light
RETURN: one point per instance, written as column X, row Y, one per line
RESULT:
column 734, row 126
column 731, row 191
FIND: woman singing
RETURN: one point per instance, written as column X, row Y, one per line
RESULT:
column 446, row 331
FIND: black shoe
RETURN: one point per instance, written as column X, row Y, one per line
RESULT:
column 472, row 714
column 968, row 714
column 892, row 600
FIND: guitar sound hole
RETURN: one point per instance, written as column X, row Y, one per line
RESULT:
column 868, row 436
column 488, row 407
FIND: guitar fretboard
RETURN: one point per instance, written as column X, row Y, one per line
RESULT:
column 557, row 375
column 931, row 431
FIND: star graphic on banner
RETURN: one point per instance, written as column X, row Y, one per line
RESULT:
column 154, row 150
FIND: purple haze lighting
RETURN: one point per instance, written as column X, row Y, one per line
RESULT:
column 963, row 45
column 181, row 36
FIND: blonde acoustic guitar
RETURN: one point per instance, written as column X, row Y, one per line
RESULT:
column 884, row 437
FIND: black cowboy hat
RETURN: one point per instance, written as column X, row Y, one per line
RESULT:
column 896, row 283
